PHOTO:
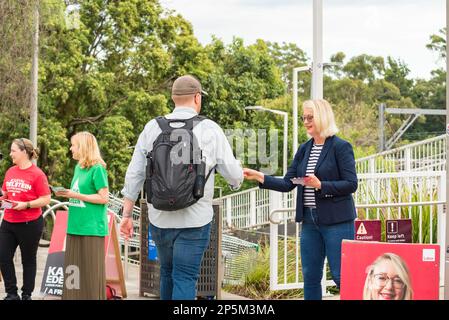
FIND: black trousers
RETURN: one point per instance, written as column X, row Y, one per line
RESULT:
column 25, row 235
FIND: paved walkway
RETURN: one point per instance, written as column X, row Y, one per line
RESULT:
column 132, row 282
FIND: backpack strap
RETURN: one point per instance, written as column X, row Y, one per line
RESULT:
column 164, row 124
column 189, row 124
column 211, row 170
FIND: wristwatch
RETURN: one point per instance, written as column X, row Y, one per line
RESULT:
column 28, row 205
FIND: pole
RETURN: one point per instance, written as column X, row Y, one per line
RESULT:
column 125, row 263
column 317, row 67
column 34, row 78
column 296, row 72
column 295, row 111
column 381, row 127
column 446, row 264
column 285, row 143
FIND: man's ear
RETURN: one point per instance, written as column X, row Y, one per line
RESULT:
column 197, row 99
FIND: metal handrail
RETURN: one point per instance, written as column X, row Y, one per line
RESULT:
column 364, row 206
column 408, row 146
column 51, row 209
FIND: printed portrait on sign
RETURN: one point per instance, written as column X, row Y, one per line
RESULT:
column 373, row 270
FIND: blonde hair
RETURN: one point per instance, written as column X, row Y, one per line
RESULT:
column 402, row 270
column 26, row 145
column 88, row 150
column 323, row 117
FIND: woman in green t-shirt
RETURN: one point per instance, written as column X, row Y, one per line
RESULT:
column 87, row 225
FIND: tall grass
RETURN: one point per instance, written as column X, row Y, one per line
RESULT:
column 256, row 283
column 424, row 218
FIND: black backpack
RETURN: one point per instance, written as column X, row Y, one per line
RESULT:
column 175, row 173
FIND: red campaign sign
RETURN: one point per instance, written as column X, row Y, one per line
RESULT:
column 368, row 230
column 389, row 271
column 53, row 279
column 399, row 231
column 58, row 236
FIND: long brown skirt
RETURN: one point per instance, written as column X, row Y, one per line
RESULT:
column 86, row 254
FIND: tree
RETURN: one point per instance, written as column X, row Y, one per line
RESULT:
column 438, row 43
column 113, row 74
column 338, row 61
column 15, row 54
column 365, row 67
column 110, row 76
column 242, row 76
column 396, row 72
column 287, row 56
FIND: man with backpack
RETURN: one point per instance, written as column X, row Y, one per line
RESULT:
column 176, row 157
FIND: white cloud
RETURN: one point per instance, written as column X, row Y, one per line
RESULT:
column 400, row 28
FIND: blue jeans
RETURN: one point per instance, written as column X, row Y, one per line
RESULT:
column 180, row 252
column 317, row 242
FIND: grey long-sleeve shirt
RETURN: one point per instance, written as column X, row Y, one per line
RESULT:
column 217, row 151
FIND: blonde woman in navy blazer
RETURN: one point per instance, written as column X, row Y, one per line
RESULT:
column 324, row 204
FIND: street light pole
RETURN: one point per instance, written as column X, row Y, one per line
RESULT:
column 285, row 147
column 446, row 251
column 285, row 144
column 296, row 71
column 34, row 77
column 317, row 67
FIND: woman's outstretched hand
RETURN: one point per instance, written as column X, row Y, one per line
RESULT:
column 250, row 174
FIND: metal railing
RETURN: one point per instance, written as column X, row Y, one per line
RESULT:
column 114, row 205
column 426, row 155
column 285, row 266
column 250, row 208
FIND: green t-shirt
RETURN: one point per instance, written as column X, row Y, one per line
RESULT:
column 85, row 218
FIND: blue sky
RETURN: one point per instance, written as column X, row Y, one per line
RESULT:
column 399, row 28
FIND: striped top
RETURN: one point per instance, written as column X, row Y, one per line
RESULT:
column 309, row 192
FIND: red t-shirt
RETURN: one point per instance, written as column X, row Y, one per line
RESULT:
column 24, row 185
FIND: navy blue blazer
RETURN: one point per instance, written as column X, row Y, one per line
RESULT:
column 335, row 169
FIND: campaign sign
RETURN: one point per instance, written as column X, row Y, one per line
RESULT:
column 389, row 271
column 53, row 279
column 399, row 231
column 368, row 230
column 152, row 250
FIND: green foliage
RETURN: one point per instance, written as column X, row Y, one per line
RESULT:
column 396, row 73
column 365, row 67
column 287, row 56
column 15, row 54
column 438, row 43
column 112, row 73
column 257, row 280
column 54, row 151
column 114, row 136
column 422, row 217
column 256, row 283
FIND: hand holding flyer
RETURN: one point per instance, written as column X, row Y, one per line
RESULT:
column 58, row 189
column 6, row 204
column 299, row 180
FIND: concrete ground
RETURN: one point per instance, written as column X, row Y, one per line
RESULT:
column 132, row 282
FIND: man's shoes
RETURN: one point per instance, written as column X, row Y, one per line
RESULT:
column 12, row 296
column 26, row 297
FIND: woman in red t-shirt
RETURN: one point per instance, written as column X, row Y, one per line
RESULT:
column 25, row 190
